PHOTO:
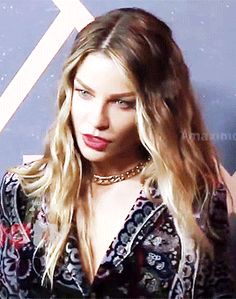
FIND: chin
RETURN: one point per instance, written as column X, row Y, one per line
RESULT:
column 94, row 156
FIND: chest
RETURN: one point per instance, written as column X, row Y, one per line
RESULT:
column 108, row 220
column 154, row 261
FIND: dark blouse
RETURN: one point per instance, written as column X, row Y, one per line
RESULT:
column 145, row 260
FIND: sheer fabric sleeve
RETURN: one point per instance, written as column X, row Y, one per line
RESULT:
column 8, row 254
column 215, row 274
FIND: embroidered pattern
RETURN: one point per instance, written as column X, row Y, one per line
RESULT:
column 141, row 262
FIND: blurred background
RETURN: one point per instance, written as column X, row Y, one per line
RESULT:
column 36, row 36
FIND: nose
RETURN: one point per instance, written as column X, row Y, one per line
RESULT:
column 98, row 116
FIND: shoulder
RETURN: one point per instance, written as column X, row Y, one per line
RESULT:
column 8, row 192
column 9, row 182
column 218, row 220
column 22, row 218
column 218, row 230
column 212, row 216
column 15, row 205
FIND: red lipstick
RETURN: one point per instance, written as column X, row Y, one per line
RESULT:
column 96, row 143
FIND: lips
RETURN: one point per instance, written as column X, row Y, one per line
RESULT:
column 96, row 143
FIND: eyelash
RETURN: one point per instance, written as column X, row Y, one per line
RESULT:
column 129, row 104
column 81, row 90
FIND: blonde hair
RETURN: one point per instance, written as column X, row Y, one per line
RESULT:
column 185, row 169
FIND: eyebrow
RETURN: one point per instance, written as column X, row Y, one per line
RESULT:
column 112, row 95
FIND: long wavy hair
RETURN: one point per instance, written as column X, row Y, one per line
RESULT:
column 183, row 165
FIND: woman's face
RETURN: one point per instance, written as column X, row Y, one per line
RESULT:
column 103, row 111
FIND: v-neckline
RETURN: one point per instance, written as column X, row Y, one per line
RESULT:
column 132, row 205
column 137, row 207
column 69, row 269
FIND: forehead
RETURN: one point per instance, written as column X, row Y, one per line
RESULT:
column 100, row 72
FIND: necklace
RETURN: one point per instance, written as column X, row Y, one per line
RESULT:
column 107, row 180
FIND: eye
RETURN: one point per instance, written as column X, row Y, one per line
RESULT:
column 83, row 93
column 125, row 104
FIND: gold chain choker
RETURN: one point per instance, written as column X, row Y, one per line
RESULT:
column 107, row 180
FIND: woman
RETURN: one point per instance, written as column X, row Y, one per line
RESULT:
column 125, row 202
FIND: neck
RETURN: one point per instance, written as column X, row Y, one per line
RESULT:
column 116, row 165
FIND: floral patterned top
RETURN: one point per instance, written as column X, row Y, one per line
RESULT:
column 145, row 260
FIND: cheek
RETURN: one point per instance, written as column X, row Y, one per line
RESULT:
column 77, row 115
column 127, row 130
